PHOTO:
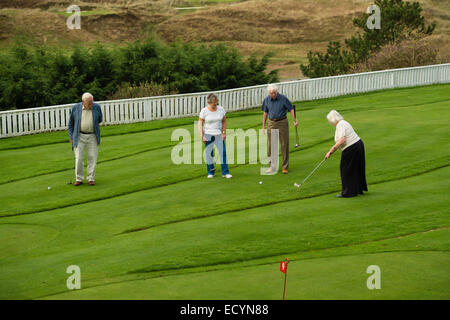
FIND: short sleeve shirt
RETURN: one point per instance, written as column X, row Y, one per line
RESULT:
column 277, row 108
column 344, row 129
column 213, row 120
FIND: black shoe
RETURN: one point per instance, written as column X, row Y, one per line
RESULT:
column 339, row 196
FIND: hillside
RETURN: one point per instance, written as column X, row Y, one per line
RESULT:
column 289, row 28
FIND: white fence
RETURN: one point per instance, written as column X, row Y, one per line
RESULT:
column 45, row 119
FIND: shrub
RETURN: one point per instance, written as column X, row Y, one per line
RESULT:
column 41, row 76
column 408, row 53
column 400, row 20
column 145, row 89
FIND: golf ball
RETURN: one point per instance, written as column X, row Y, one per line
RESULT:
column 296, row 185
column 260, row 182
column 49, row 188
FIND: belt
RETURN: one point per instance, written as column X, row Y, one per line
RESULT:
column 86, row 132
column 278, row 119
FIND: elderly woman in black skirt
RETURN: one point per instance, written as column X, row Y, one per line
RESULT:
column 353, row 163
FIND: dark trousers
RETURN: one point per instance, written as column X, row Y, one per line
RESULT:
column 353, row 170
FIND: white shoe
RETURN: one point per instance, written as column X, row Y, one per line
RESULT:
column 228, row 176
column 210, row 176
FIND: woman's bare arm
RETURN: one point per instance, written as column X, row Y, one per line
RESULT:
column 200, row 128
column 333, row 149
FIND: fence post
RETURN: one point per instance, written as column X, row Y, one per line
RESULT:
column 147, row 110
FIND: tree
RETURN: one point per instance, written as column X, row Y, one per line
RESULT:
column 399, row 21
column 334, row 61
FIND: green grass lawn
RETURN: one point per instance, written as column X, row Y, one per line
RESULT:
column 154, row 230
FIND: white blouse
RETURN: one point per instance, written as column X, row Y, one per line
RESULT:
column 213, row 120
column 345, row 129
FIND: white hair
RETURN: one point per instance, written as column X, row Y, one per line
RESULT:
column 334, row 117
column 272, row 87
column 86, row 96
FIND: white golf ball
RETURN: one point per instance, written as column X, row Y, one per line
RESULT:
column 260, row 182
column 296, row 185
column 49, row 188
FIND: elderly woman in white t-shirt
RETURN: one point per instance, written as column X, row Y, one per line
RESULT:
column 212, row 125
column 353, row 163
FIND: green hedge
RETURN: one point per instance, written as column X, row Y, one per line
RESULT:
column 36, row 77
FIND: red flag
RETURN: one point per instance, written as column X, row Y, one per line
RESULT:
column 283, row 267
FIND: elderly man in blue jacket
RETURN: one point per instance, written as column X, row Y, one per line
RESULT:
column 84, row 134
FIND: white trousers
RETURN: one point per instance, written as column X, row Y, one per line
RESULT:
column 86, row 142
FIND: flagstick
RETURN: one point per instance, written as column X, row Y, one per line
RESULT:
column 286, row 261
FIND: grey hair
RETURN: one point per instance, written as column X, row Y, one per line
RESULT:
column 86, row 96
column 272, row 87
column 334, row 117
column 212, row 97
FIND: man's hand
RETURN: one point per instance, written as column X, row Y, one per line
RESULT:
column 71, row 142
column 328, row 155
column 204, row 139
column 296, row 123
column 265, row 115
column 224, row 136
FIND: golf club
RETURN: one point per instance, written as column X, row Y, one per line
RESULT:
column 296, row 132
column 73, row 161
column 299, row 185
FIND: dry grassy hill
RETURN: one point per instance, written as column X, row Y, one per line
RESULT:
column 289, row 28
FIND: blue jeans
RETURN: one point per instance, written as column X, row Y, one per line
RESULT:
column 209, row 152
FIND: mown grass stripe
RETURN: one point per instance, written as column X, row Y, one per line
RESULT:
column 273, row 203
column 252, row 262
